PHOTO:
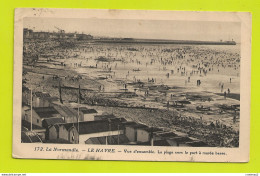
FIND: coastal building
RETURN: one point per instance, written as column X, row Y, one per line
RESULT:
column 37, row 131
column 155, row 143
column 40, row 35
column 70, row 36
column 28, row 34
column 146, row 134
column 30, row 137
column 70, row 115
column 104, row 116
column 161, row 135
column 55, row 113
column 87, row 114
column 26, row 96
column 46, row 123
column 180, row 141
column 119, row 139
column 54, row 35
column 84, row 37
column 39, row 114
column 88, row 129
column 131, row 131
column 40, row 99
column 24, row 109
column 53, row 132
column 43, row 99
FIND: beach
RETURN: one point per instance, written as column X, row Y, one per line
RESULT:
column 184, row 88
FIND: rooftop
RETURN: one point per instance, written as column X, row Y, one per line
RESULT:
column 137, row 126
column 28, row 137
column 129, row 123
column 166, row 134
column 107, row 116
column 155, row 143
column 197, row 144
column 52, row 121
column 27, row 125
column 151, row 129
column 183, row 139
column 46, row 112
column 98, row 126
column 66, row 111
column 110, row 140
column 86, row 110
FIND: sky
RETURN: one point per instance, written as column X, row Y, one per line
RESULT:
column 148, row 29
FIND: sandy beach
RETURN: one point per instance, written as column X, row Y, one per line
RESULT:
column 153, row 84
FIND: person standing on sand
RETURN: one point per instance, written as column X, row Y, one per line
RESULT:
column 225, row 95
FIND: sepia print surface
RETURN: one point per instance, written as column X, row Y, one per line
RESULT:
column 131, row 85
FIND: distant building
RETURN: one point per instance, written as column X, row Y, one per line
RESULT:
column 27, row 33
column 54, row 35
column 84, row 37
column 40, row 35
column 70, row 36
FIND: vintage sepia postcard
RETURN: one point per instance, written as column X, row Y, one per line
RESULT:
column 131, row 85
